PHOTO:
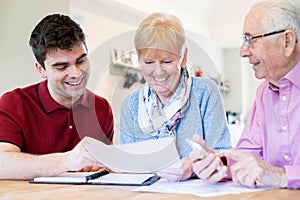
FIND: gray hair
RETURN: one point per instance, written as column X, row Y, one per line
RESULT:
column 161, row 31
column 281, row 14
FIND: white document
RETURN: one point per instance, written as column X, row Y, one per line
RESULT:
column 142, row 157
column 197, row 187
column 122, row 179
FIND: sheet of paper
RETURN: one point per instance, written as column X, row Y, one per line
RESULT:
column 122, row 178
column 197, row 187
column 142, row 157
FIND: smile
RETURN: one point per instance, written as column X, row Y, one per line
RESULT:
column 76, row 83
column 161, row 79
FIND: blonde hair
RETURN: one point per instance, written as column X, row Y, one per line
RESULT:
column 161, row 31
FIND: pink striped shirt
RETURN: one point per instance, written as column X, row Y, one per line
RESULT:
column 272, row 131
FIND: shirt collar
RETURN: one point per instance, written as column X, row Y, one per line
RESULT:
column 49, row 104
column 293, row 75
column 274, row 88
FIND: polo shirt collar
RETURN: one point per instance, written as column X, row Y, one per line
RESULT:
column 50, row 104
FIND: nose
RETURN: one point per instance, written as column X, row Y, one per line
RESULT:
column 244, row 51
column 74, row 71
column 158, row 69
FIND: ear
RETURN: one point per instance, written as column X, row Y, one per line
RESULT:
column 290, row 41
column 40, row 69
column 184, row 59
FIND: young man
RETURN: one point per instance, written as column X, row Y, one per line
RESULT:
column 268, row 151
column 41, row 125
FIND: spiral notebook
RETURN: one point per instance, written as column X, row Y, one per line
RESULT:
column 99, row 178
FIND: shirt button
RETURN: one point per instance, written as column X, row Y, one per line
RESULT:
column 284, row 128
column 70, row 127
column 287, row 158
column 283, row 98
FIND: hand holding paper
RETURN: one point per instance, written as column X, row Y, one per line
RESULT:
column 79, row 159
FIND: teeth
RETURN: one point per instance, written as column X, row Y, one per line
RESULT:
column 160, row 79
column 75, row 83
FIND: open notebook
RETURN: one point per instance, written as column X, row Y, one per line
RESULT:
column 99, row 178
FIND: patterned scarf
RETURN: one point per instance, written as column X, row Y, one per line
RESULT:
column 161, row 120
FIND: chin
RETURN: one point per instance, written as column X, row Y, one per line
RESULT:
column 76, row 94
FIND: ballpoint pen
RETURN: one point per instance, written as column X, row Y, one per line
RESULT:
column 96, row 175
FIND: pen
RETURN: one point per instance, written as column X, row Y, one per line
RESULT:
column 197, row 146
column 96, row 175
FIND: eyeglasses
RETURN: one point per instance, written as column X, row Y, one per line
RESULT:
column 247, row 39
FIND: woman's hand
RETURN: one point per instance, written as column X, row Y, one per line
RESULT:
column 180, row 173
column 209, row 166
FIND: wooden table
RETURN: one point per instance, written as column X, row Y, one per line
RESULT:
column 22, row 190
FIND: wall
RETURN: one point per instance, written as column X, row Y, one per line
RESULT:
column 233, row 76
column 110, row 25
column 106, row 24
column 249, row 85
column 17, row 19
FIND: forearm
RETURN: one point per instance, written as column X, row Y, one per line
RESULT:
column 18, row 165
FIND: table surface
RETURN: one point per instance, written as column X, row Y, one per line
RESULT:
column 16, row 190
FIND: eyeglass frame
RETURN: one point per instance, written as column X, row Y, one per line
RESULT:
column 248, row 38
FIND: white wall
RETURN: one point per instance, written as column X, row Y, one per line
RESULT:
column 17, row 19
column 249, row 85
column 109, row 24
column 233, row 76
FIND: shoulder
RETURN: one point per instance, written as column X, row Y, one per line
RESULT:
column 204, row 85
column 18, row 94
column 99, row 101
column 132, row 99
column 130, row 105
column 262, row 89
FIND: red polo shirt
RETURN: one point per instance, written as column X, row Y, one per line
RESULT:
column 32, row 120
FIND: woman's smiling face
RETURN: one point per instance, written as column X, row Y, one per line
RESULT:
column 161, row 69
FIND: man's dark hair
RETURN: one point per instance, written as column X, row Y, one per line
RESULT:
column 55, row 31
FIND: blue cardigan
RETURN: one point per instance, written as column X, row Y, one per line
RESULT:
column 205, row 116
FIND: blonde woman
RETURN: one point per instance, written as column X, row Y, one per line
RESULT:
column 171, row 103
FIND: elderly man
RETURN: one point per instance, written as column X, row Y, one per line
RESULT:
column 268, row 151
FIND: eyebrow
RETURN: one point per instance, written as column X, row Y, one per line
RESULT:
column 64, row 63
column 247, row 34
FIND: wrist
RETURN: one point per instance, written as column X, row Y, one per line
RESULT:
column 283, row 179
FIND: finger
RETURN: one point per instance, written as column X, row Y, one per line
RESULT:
column 202, row 142
column 246, row 180
column 186, row 164
column 199, row 166
column 98, row 168
column 85, row 169
column 195, row 156
column 172, row 171
column 168, row 176
column 198, row 139
column 233, row 154
column 217, row 176
column 212, row 163
column 243, row 175
column 250, row 182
